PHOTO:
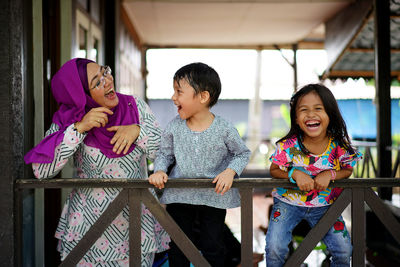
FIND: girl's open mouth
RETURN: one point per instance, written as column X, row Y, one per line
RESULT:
column 312, row 124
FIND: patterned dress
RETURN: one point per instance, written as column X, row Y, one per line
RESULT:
column 289, row 155
column 84, row 205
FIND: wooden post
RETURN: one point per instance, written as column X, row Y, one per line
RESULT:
column 358, row 230
column 382, row 99
column 135, row 226
column 15, row 124
column 246, row 211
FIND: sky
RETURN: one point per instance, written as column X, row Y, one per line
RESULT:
column 237, row 71
column 236, row 68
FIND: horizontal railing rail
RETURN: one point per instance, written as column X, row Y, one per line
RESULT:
column 134, row 192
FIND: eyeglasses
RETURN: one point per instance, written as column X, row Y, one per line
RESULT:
column 102, row 81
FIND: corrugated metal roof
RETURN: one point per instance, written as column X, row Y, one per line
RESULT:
column 358, row 60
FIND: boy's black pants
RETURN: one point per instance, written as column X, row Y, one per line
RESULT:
column 204, row 226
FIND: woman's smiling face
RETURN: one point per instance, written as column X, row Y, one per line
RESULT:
column 101, row 86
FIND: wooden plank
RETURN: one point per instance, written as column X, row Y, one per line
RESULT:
column 358, row 228
column 319, row 230
column 175, row 232
column 135, row 227
column 197, row 183
column 357, row 73
column 246, row 212
column 369, row 50
column 383, row 213
column 111, row 183
column 96, row 230
column 130, row 27
column 302, row 45
column 18, row 225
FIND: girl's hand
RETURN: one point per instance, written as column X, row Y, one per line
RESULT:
column 96, row 117
column 303, row 180
column 321, row 181
column 224, row 181
column 124, row 137
column 158, row 179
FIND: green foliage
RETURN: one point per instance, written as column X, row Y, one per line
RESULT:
column 278, row 133
column 285, row 114
column 396, row 139
column 241, row 128
column 394, row 82
column 320, row 245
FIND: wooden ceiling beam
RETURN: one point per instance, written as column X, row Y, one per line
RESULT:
column 358, row 74
column 130, row 27
column 369, row 50
column 301, row 45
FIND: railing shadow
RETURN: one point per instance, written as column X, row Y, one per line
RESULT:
column 135, row 192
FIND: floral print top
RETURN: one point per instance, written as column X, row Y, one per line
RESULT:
column 288, row 154
column 85, row 205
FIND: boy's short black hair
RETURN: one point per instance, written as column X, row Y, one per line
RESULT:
column 202, row 78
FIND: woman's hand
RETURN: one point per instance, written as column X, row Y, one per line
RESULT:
column 124, row 137
column 158, row 179
column 303, row 180
column 224, row 181
column 321, row 181
column 96, row 117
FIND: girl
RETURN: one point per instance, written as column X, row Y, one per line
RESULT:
column 316, row 150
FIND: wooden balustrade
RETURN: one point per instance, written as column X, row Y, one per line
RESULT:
column 134, row 192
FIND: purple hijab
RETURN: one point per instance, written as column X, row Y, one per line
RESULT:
column 69, row 92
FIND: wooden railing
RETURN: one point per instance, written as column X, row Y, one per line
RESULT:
column 135, row 192
column 367, row 167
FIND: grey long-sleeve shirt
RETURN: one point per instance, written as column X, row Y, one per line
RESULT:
column 201, row 155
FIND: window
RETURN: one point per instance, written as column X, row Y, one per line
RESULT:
column 88, row 38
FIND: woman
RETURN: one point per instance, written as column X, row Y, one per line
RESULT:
column 109, row 135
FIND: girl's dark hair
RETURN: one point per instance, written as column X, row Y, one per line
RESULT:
column 336, row 128
column 202, row 78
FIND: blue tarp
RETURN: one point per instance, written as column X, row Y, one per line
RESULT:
column 359, row 114
column 360, row 117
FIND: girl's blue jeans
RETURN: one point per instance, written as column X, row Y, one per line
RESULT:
column 285, row 217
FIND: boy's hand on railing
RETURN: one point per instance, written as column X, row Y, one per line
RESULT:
column 158, row 179
column 224, row 181
column 321, row 181
column 303, row 180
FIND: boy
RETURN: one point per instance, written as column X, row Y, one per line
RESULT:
column 201, row 145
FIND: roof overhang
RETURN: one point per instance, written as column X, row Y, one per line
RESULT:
column 345, row 28
column 232, row 23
